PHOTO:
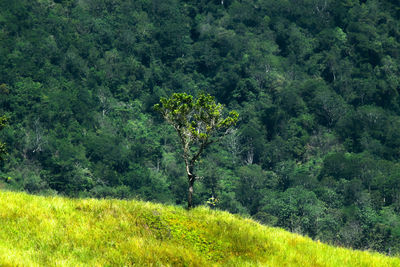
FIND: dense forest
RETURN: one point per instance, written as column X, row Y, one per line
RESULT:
column 316, row 83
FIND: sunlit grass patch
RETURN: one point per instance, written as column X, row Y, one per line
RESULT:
column 55, row 231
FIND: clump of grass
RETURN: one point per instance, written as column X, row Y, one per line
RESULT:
column 48, row 231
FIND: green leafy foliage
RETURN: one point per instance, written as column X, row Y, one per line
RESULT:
column 316, row 84
column 3, row 150
column 196, row 121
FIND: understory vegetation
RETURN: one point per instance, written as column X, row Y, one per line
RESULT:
column 316, row 83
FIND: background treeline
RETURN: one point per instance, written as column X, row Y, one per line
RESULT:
column 316, row 83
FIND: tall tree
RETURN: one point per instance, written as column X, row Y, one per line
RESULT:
column 199, row 123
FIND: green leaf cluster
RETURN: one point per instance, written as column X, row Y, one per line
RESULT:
column 196, row 120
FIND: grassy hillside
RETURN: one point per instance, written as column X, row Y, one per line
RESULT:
column 43, row 231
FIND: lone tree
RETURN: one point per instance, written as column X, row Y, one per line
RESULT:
column 199, row 123
column 3, row 123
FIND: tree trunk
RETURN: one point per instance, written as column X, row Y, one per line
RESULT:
column 191, row 179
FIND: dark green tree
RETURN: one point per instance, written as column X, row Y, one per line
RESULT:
column 199, row 123
column 3, row 123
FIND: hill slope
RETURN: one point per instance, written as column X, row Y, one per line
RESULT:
column 41, row 231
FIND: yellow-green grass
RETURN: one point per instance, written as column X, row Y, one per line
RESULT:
column 56, row 231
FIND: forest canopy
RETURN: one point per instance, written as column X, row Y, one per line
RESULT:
column 316, row 83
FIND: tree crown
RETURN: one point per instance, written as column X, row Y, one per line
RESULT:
column 198, row 120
